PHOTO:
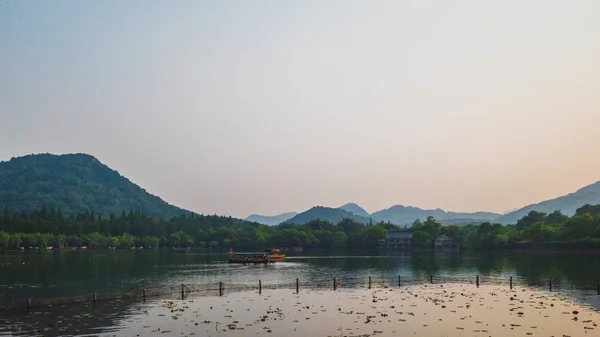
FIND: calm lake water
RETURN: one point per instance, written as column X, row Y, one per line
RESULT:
column 70, row 273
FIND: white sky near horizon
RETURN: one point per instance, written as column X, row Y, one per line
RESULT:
column 240, row 107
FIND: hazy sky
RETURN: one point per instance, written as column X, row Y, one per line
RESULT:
column 239, row 107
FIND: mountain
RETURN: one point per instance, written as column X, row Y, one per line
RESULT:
column 333, row 215
column 355, row 209
column 406, row 215
column 271, row 220
column 567, row 204
column 75, row 183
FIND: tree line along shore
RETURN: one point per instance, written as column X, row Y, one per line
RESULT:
column 49, row 227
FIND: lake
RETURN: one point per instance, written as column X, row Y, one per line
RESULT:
column 70, row 273
column 419, row 308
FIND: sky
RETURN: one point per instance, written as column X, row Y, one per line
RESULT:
column 241, row 107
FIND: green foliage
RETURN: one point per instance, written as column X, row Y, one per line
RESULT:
column 331, row 215
column 46, row 227
column 556, row 217
column 368, row 237
column 529, row 219
column 425, row 232
column 74, row 183
column 588, row 209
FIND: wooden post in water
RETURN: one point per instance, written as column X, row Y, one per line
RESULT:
column 94, row 298
column 511, row 283
column 399, row 281
column 220, row 288
column 144, row 294
column 259, row 286
column 370, row 282
column 28, row 305
column 550, row 284
column 477, row 281
column 334, row 284
column 182, row 292
column 297, row 286
column 431, row 279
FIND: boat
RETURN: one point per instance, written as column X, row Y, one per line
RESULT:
column 269, row 256
column 249, row 258
column 275, row 255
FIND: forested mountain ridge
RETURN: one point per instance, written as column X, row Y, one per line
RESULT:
column 74, row 183
column 355, row 209
column 406, row 215
column 567, row 204
column 332, row 215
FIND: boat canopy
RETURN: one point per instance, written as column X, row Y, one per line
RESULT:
column 249, row 254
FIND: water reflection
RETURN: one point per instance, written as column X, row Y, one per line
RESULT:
column 68, row 273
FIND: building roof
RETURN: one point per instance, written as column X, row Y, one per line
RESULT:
column 399, row 235
column 443, row 238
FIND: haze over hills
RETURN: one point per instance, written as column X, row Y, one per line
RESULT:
column 567, row 204
column 399, row 215
column 271, row 220
column 333, row 215
column 75, row 183
column 406, row 215
column 355, row 209
column 79, row 182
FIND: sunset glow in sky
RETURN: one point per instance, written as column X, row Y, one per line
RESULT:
column 240, row 107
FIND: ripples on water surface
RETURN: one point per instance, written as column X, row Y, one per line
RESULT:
column 68, row 273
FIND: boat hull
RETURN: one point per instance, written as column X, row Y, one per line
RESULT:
column 248, row 261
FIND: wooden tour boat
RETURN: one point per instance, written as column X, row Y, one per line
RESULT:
column 274, row 255
column 246, row 258
column 269, row 256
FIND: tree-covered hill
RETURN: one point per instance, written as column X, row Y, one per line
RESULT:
column 74, row 183
column 567, row 204
column 356, row 210
column 333, row 215
column 406, row 215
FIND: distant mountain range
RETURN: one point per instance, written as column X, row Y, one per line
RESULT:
column 406, row 215
column 271, row 220
column 400, row 215
column 333, row 215
column 75, row 183
column 356, row 210
column 567, row 204
column 79, row 182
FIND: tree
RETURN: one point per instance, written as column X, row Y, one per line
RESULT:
column 4, row 220
column 113, row 241
column 60, row 240
column 4, row 240
column 181, row 239
column 126, row 240
column 579, row 226
column 529, row 219
column 540, row 232
column 151, row 242
column 432, row 227
column 14, row 241
column 349, row 226
column 95, row 240
column 319, row 224
column 588, row 209
column 556, row 217
column 451, row 231
column 421, row 239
